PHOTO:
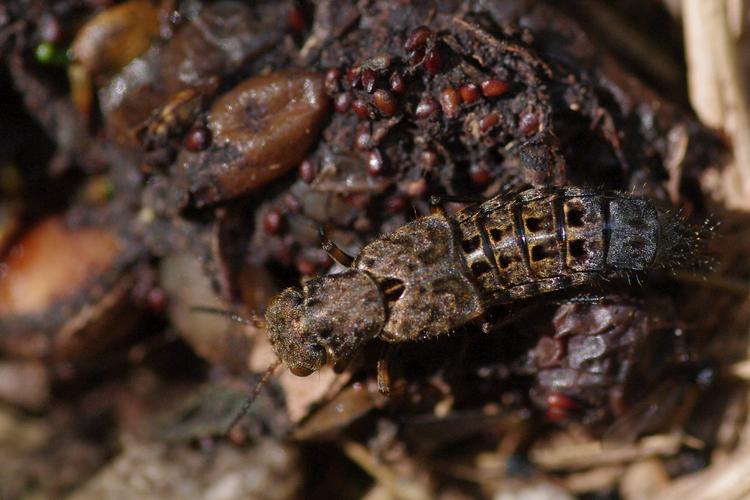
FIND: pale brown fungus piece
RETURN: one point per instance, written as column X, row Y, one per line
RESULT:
column 52, row 262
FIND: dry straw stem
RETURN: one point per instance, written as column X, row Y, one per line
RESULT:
column 590, row 454
column 717, row 86
column 400, row 488
column 729, row 481
column 718, row 91
column 725, row 480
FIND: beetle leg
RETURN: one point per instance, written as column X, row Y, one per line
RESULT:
column 384, row 376
column 600, row 299
column 436, row 207
column 436, row 202
column 333, row 250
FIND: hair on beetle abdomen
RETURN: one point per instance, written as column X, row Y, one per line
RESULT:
column 682, row 245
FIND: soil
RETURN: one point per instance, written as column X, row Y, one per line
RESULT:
column 204, row 165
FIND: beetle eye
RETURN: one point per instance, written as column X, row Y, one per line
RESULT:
column 295, row 300
column 300, row 371
column 319, row 352
column 325, row 333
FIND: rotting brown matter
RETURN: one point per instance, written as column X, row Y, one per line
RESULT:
column 549, row 239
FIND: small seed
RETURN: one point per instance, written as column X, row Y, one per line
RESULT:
column 450, row 100
column 558, row 406
column 560, row 400
column 375, row 165
column 417, row 38
column 296, row 20
column 308, row 171
column 426, row 108
column 429, row 159
column 397, row 83
column 362, row 137
column 197, row 139
column 469, row 93
column 50, row 28
column 283, row 252
column 157, row 299
column 395, row 204
column 417, row 188
column 479, row 175
column 291, row 203
column 416, row 55
column 433, row 62
column 488, row 122
column 354, row 77
column 332, row 80
column 272, row 221
column 529, row 124
column 357, row 201
column 385, row 102
column 494, row 87
column 368, row 80
column 305, row 267
column 342, row 102
column 617, row 402
column 360, row 108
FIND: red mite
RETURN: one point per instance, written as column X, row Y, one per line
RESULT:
column 296, row 20
column 559, row 406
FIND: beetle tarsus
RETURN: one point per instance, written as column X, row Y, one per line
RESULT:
column 334, row 251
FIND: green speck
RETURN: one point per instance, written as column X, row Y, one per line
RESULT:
column 108, row 189
column 100, row 190
column 48, row 53
column 11, row 182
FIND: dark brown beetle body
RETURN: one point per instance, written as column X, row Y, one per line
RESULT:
column 439, row 272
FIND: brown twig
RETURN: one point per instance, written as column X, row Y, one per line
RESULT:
column 717, row 84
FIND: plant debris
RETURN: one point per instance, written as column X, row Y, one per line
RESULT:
column 162, row 159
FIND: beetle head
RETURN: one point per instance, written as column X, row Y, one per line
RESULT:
column 326, row 321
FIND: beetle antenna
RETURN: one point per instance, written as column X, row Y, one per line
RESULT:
column 333, row 250
column 251, row 398
column 254, row 320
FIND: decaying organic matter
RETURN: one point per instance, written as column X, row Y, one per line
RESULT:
column 158, row 156
column 260, row 129
column 65, row 291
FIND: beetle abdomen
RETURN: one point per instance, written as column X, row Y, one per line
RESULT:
column 543, row 240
